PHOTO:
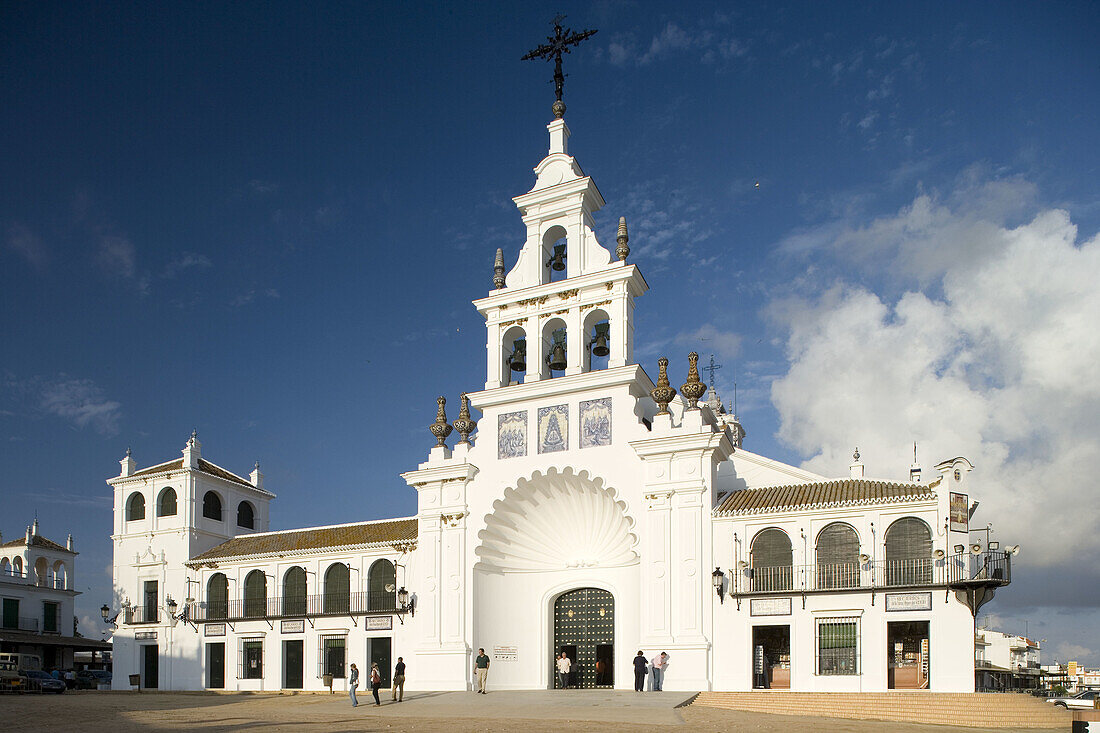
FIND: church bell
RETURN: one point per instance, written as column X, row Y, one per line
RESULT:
column 599, row 343
column 518, row 359
column 556, row 359
column 557, row 262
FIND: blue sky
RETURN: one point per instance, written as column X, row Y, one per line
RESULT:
column 266, row 222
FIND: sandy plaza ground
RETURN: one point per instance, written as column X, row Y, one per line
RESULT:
column 597, row 711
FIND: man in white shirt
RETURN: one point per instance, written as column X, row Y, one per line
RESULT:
column 657, row 677
column 564, row 665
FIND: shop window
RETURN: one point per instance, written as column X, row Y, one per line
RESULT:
column 251, row 666
column 332, row 654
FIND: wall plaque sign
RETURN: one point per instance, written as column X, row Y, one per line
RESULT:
column 512, row 435
column 553, row 429
column 378, row 623
column 145, row 635
column 960, row 512
column 769, row 606
column 505, row 653
column 596, row 422
column 293, row 627
column 908, row 601
column 213, row 630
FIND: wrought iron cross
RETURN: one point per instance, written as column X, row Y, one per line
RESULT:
column 712, row 368
column 559, row 43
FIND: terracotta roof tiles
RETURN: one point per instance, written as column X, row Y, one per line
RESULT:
column 320, row 538
column 838, row 492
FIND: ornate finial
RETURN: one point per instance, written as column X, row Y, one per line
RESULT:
column 128, row 451
column 693, row 388
column 195, row 434
column 498, row 269
column 465, row 424
column 257, row 466
column 440, row 428
column 663, row 393
column 622, row 250
column 856, row 454
column 559, row 43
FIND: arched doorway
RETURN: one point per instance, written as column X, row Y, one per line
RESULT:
column 584, row 628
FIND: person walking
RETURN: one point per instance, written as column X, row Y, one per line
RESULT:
column 563, row 669
column 353, row 682
column 481, row 667
column 375, row 682
column 399, row 680
column 657, row 678
column 641, row 666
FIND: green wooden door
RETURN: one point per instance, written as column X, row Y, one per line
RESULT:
column 11, row 613
column 584, row 628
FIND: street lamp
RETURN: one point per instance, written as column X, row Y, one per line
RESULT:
column 105, row 612
column 405, row 604
column 718, row 578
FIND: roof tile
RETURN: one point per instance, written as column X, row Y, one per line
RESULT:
column 367, row 533
column 821, row 493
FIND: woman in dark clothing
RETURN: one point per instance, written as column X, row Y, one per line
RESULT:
column 375, row 682
column 640, row 666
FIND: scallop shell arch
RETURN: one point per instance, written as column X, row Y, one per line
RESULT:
column 557, row 521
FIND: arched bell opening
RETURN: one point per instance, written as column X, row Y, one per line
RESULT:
column 554, row 348
column 597, row 340
column 513, row 352
column 554, row 252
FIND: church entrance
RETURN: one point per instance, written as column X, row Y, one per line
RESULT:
column 584, row 628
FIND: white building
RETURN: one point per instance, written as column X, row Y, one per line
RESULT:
column 37, row 599
column 1005, row 661
column 595, row 512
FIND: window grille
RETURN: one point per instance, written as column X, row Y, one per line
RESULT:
column 250, row 664
column 294, row 592
column 838, row 557
column 166, row 505
column 331, row 655
column 838, row 645
column 337, row 598
column 771, row 556
column 212, row 506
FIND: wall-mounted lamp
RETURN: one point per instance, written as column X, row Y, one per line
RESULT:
column 975, row 549
column 938, row 554
column 960, row 549
column 105, row 612
column 718, row 579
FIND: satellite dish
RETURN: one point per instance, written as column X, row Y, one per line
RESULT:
column 390, row 587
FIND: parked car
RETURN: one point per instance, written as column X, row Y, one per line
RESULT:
column 1080, row 701
column 39, row 680
column 91, row 679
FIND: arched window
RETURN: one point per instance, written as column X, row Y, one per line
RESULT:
column 246, row 515
column 555, row 348
column 166, row 504
column 60, row 575
column 255, row 594
column 294, row 592
column 5, row 566
column 217, row 597
column 212, row 506
column 135, row 507
column 838, row 556
column 41, row 571
column 772, row 558
column 17, row 566
column 513, row 351
column 337, row 589
column 908, row 552
column 597, row 340
column 382, row 586
column 555, row 254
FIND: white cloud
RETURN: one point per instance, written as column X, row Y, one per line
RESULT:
column 994, row 357
column 27, row 244
column 117, row 256
column 1068, row 651
column 709, row 338
column 186, row 261
column 82, row 403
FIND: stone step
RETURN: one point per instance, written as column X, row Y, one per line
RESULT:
column 975, row 710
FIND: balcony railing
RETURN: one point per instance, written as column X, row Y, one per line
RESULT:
column 344, row 604
column 142, row 615
column 993, row 567
column 23, row 623
column 50, row 580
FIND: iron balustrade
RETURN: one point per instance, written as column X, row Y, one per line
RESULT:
column 57, row 582
column 334, row 604
column 142, row 615
column 962, row 569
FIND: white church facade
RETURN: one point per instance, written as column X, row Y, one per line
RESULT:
column 588, row 510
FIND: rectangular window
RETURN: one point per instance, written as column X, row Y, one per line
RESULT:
column 252, row 659
column 332, row 655
column 838, row 646
column 50, row 612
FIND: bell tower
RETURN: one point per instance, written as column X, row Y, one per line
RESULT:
column 540, row 327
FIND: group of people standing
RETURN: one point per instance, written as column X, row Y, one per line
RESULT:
column 376, row 682
column 655, row 668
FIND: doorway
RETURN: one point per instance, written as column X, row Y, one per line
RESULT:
column 907, row 663
column 771, row 657
column 150, row 666
column 584, row 628
column 215, row 665
column 294, row 664
column 380, row 650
